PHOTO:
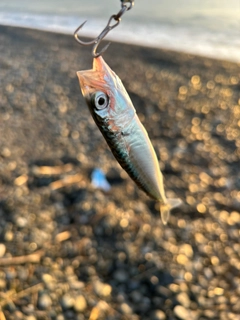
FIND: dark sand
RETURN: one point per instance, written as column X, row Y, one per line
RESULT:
column 108, row 256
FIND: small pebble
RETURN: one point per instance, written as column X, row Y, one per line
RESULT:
column 11, row 274
column 6, row 152
column 80, row 303
column 44, row 301
column 121, row 276
column 49, row 282
column 182, row 259
column 181, row 312
column 163, row 291
column 186, row 249
column 47, row 278
column 2, row 284
column 21, row 222
column 76, row 285
column 67, row 301
column 136, row 296
column 183, row 298
column 208, row 273
column 102, row 289
column 158, row 315
column 18, row 315
column 31, row 317
column 2, row 250
column 126, row 309
column 9, row 236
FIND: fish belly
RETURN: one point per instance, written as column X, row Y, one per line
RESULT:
column 134, row 151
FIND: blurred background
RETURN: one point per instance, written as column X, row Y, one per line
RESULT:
column 208, row 28
column 71, row 251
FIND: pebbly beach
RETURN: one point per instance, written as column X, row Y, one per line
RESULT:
column 69, row 250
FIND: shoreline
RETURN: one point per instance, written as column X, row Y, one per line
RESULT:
column 111, row 39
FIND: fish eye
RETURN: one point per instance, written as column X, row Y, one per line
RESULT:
column 100, row 100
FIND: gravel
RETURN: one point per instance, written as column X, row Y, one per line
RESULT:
column 70, row 251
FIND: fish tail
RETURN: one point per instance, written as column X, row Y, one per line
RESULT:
column 165, row 208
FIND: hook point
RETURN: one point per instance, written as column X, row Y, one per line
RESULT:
column 97, row 54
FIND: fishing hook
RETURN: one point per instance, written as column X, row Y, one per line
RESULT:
column 109, row 27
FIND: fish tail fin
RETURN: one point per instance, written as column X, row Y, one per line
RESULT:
column 165, row 208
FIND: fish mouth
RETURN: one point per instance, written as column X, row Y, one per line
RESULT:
column 91, row 81
column 84, row 78
column 100, row 77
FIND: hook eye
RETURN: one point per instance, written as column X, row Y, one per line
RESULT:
column 127, row 3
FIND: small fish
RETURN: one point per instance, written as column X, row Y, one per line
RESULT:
column 114, row 114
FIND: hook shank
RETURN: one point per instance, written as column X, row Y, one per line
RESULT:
column 109, row 27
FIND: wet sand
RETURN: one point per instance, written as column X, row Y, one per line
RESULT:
column 70, row 251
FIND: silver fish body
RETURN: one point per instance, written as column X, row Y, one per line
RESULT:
column 114, row 114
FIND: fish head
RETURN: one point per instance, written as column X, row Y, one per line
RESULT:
column 104, row 91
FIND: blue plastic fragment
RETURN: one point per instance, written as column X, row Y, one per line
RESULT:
column 99, row 180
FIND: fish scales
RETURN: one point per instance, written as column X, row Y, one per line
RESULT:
column 130, row 150
column 115, row 116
